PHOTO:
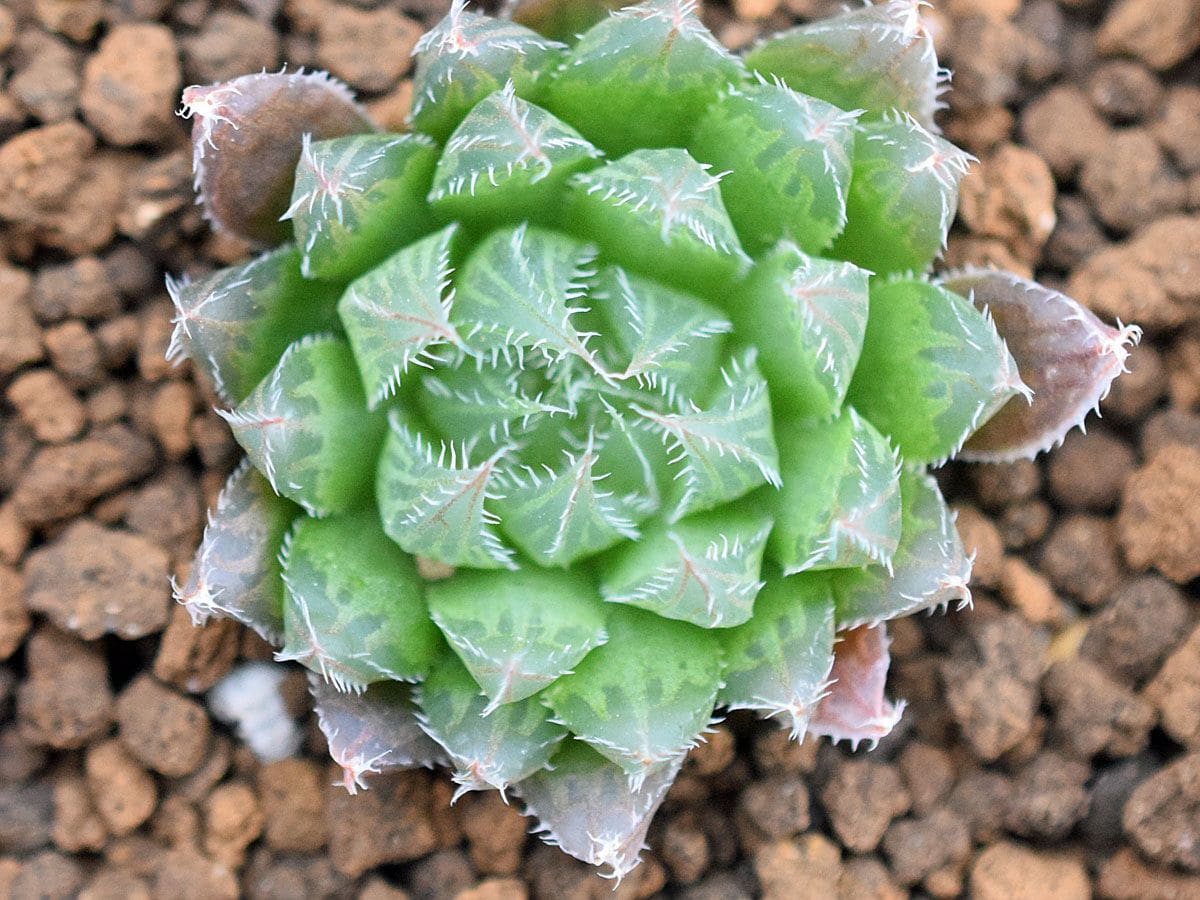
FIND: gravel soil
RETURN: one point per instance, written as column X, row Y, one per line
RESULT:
column 1051, row 745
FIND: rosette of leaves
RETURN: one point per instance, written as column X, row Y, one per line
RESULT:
column 603, row 401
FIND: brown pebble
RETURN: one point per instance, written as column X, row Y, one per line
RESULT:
column 495, row 833
column 155, row 337
column 170, row 414
column 392, row 109
column 805, row 868
column 1030, row 592
column 1003, row 484
column 919, row 847
column 389, row 823
column 1175, row 692
column 229, row 45
column 65, row 701
column 1089, row 470
column 233, row 821
column 1139, row 389
column 1159, row 32
column 1125, row 91
column 94, row 580
column 496, row 889
column 118, row 339
column 77, row 19
column 183, row 874
column 122, row 791
column 1011, row 871
column 1124, row 876
column 20, row 337
column 1183, row 372
column 1129, row 182
column 47, row 876
column 368, row 49
column 131, row 85
column 14, row 617
column 861, row 799
column 163, row 729
column 115, row 884
column 293, row 795
column 195, row 658
column 77, row 825
column 1080, row 557
column 79, row 289
column 684, row 848
column 1093, row 713
column 1048, row 797
column 1145, row 619
column 50, row 409
column 14, row 536
column 1076, row 236
column 982, row 129
column 928, row 774
column 74, row 352
column 1025, row 523
column 1159, row 521
column 1178, row 127
column 46, row 79
column 773, row 808
column 1010, row 196
column 1063, row 149
column 39, row 171
column 1161, row 814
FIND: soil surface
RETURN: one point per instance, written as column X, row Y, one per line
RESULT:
column 1051, row 745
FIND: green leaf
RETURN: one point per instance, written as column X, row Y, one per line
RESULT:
column 635, row 459
column 373, row 732
column 839, row 505
column 932, row 370
column 659, row 212
column 642, row 77
column 903, row 197
column 517, row 292
column 357, row 199
column 726, row 450
column 467, row 56
column 508, row 162
column 398, row 314
column 1067, row 356
column 353, row 611
column 779, row 662
column 789, row 167
column 584, row 805
column 929, row 569
column 236, row 570
column 666, row 341
column 485, row 405
column 490, row 746
column 432, row 500
column 517, row 631
column 307, row 428
column 235, row 323
column 643, row 698
column 879, row 58
column 807, row 317
column 703, row 569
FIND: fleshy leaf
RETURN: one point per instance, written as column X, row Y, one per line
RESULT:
column 643, row 698
column 903, row 197
column 789, row 168
column 373, row 732
column 490, row 746
column 703, row 569
column 485, row 405
column 432, row 500
column 667, row 341
column 879, row 58
column 640, row 470
column 584, row 805
column 517, row 631
column 560, row 515
column 807, row 317
column 357, row 199
column 563, row 20
column 855, row 707
column 930, row 569
column 508, row 162
column 839, row 504
column 778, row 663
column 234, row 323
column 467, row 56
column 932, row 370
column 307, row 428
column 518, row 293
column 726, row 450
column 397, row 315
column 1067, row 356
column 236, row 571
column 642, row 77
column 659, row 212
column 353, row 610
column 246, row 141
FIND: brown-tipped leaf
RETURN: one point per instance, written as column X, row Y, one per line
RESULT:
column 855, row 708
column 246, row 141
column 1067, row 356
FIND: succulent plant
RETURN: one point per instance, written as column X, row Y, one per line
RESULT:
column 603, row 401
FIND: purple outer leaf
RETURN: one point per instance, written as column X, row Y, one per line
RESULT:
column 246, row 142
column 372, row 732
column 855, row 708
column 1064, row 353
